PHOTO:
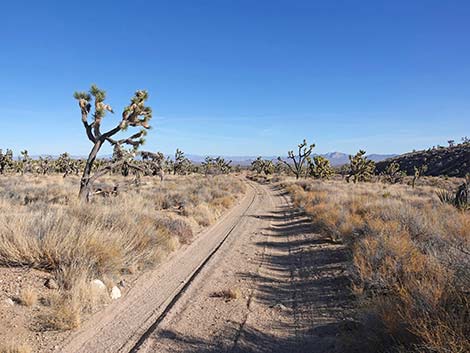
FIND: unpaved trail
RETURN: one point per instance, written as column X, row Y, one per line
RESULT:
column 293, row 286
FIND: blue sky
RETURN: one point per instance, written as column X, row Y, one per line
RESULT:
column 240, row 77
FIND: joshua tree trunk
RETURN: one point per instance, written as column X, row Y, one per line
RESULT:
column 85, row 181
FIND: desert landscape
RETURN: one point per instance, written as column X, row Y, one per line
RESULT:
column 212, row 211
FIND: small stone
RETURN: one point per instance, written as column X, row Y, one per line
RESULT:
column 115, row 293
column 280, row 306
column 122, row 283
column 9, row 302
column 98, row 284
column 51, row 284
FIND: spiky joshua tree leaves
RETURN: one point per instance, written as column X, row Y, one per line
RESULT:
column 392, row 174
column 419, row 172
column 181, row 164
column 136, row 114
column 6, row 161
column 320, row 168
column 298, row 161
column 215, row 166
column 261, row 165
column 360, row 168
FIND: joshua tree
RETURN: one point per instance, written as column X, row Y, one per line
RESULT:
column 298, row 160
column 66, row 165
column 320, row 168
column 181, row 164
column 419, row 172
column 153, row 163
column 393, row 174
column 25, row 163
column 136, row 114
column 6, row 160
column 44, row 165
column 360, row 168
column 216, row 166
column 262, row 166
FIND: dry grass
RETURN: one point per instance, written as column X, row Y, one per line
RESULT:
column 410, row 257
column 28, row 297
column 228, row 294
column 16, row 348
column 42, row 225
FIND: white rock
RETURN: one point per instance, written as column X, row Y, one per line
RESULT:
column 9, row 302
column 115, row 293
column 98, row 284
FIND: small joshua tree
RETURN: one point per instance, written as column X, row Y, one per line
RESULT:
column 6, row 161
column 181, row 164
column 44, row 165
column 360, row 168
column 393, row 174
column 153, row 163
column 262, row 166
column 66, row 165
column 419, row 172
column 216, row 166
column 136, row 114
column 320, row 168
column 298, row 161
column 25, row 164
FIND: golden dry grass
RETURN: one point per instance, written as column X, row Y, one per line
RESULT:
column 16, row 348
column 42, row 225
column 410, row 257
column 28, row 297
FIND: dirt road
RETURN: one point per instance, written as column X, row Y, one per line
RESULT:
column 292, row 287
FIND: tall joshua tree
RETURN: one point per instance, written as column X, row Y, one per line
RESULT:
column 136, row 114
column 298, row 160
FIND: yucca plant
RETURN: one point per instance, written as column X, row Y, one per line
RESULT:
column 460, row 198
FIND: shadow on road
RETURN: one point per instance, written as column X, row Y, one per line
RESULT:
column 305, row 274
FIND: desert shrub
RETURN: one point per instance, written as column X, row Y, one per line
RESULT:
column 410, row 258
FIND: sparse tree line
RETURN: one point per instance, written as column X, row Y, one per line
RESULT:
column 359, row 169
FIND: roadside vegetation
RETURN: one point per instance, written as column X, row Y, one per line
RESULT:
column 43, row 225
column 409, row 239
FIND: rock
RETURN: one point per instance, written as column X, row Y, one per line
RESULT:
column 115, row 293
column 280, row 306
column 122, row 283
column 9, row 302
column 98, row 284
column 51, row 284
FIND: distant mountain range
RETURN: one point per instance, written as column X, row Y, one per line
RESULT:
column 336, row 158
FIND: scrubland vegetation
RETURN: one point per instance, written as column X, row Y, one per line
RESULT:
column 44, row 225
column 410, row 260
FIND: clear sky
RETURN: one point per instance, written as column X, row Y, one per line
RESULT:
column 240, row 77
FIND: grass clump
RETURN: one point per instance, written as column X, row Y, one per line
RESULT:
column 28, row 297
